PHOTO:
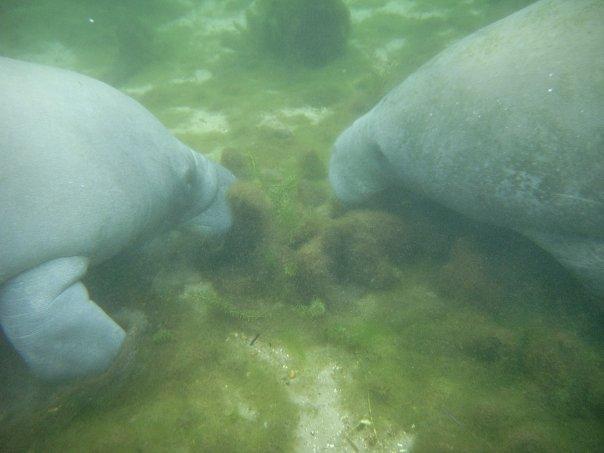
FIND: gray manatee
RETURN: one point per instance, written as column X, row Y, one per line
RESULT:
column 506, row 126
column 85, row 172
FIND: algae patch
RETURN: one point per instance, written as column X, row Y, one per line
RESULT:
column 361, row 344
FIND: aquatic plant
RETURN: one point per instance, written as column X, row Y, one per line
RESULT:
column 251, row 211
column 564, row 368
column 528, row 440
column 242, row 165
column 311, row 273
column 314, row 310
column 231, row 310
column 415, row 358
column 311, row 166
column 362, row 245
column 287, row 215
column 312, row 193
column 205, row 294
column 312, row 32
column 162, row 336
column 491, row 345
column 469, row 275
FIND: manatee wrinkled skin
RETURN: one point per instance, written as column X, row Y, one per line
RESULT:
column 85, row 172
column 505, row 126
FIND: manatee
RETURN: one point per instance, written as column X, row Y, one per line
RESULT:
column 85, row 172
column 504, row 126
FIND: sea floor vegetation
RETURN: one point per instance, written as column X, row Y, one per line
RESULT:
column 395, row 326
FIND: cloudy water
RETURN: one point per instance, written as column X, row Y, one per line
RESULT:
column 275, row 277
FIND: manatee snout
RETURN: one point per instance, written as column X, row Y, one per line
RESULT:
column 216, row 219
column 358, row 168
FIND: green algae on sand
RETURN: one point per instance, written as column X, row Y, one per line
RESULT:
column 453, row 345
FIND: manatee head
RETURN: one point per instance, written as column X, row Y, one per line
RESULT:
column 210, row 214
column 358, row 169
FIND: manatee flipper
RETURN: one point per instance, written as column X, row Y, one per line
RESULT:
column 584, row 256
column 46, row 314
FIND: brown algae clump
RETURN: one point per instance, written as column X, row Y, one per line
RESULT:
column 251, row 220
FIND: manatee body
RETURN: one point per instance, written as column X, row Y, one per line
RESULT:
column 85, row 172
column 505, row 126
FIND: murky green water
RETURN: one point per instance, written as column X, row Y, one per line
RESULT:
column 307, row 332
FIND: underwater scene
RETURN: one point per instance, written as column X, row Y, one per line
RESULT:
column 302, row 225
